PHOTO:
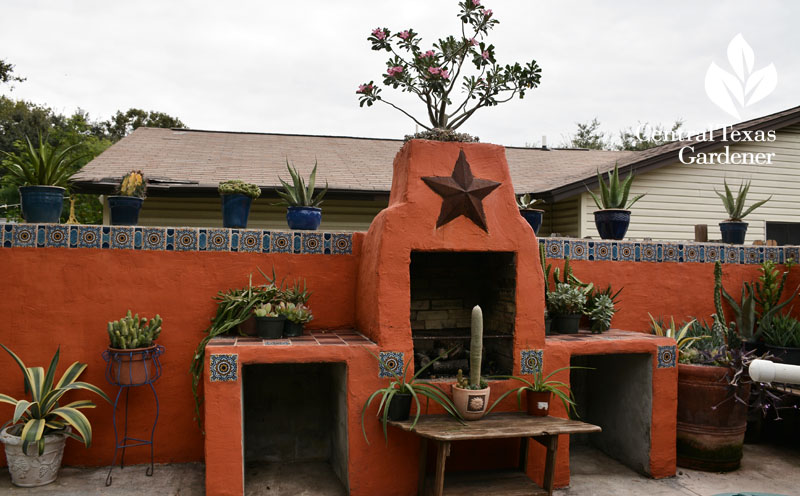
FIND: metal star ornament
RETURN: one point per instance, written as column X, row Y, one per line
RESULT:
column 462, row 194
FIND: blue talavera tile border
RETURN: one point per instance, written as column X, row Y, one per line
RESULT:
column 530, row 361
column 391, row 361
column 224, row 367
column 175, row 239
column 665, row 251
column 666, row 356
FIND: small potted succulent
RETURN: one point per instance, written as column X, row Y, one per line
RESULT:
column 735, row 229
column 303, row 210
column 297, row 315
column 781, row 336
column 237, row 196
column 132, row 351
column 601, row 313
column 613, row 215
column 42, row 175
column 539, row 391
column 270, row 320
column 566, row 303
column 527, row 208
column 396, row 398
column 34, row 440
column 471, row 396
column 125, row 207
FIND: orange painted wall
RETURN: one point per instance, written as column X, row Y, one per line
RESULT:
column 59, row 296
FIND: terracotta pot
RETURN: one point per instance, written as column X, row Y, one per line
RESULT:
column 134, row 366
column 33, row 470
column 248, row 327
column 471, row 403
column 538, row 403
column 711, row 422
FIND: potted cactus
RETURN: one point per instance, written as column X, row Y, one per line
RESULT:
column 527, row 208
column 237, row 196
column 303, row 210
column 296, row 318
column 270, row 320
column 734, row 229
column 125, row 207
column 132, row 351
column 471, row 397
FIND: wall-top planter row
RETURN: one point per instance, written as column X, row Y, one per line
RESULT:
column 656, row 251
column 174, row 239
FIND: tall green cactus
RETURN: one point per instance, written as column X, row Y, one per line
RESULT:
column 476, row 348
column 133, row 332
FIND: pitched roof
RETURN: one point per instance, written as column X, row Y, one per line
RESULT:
column 183, row 161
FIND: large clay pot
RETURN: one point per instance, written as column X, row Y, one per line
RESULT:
column 304, row 218
column 134, row 366
column 471, row 403
column 612, row 223
column 711, row 422
column 538, row 403
column 33, row 470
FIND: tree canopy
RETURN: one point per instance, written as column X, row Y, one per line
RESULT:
column 643, row 137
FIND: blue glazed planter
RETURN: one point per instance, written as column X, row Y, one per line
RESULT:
column 612, row 223
column 534, row 218
column 124, row 210
column 41, row 204
column 235, row 210
column 733, row 232
column 303, row 218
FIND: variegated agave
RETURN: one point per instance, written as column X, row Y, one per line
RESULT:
column 44, row 415
column 614, row 195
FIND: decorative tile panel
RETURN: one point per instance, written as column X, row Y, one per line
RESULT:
column 390, row 361
column 224, row 368
column 121, row 237
column 530, row 361
column 313, row 242
column 281, row 242
column 341, row 244
column 250, row 240
column 186, row 239
column 666, row 356
column 57, row 236
column 90, row 237
column 218, row 240
column 578, row 249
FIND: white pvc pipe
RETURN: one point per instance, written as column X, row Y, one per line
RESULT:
column 766, row 371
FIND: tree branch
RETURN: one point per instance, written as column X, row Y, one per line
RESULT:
column 403, row 111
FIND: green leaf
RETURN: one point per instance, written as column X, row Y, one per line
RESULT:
column 20, row 410
column 755, row 206
column 78, row 421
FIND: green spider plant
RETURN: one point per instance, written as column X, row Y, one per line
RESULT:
column 615, row 193
column 402, row 386
column 44, row 415
column 541, row 383
column 735, row 206
column 682, row 340
column 40, row 166
column 298, row 194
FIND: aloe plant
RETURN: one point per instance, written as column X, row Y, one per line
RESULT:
column 614, row 195
column 735, row 206
column 40, row 166
column 298, row 194
column 33, row 420
column 683, row 338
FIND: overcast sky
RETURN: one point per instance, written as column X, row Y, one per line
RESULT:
column 293, row 67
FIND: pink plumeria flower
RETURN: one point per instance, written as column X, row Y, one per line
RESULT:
column 488, row 12
column 476, row 3
column 433, row 70
column 473, row 42
column 444, row 74
column 485, row 55
column 429, row 53
column 379, row 33
column 362, row 88
column 404, row 35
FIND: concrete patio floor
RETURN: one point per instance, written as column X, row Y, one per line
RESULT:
column 765, row 469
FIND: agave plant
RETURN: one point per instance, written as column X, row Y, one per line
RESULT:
column 44, row 415
column 298, row 194
column 682, row 336
column 735, row 206
column 614, row 195
column 40, row 166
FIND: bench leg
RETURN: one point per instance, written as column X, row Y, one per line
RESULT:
column 442, row 451
column 523, row 454
column 551, row 443
column 423, row 466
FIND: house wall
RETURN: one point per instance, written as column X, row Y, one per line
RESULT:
column 680, row 196
column 562, row 217
column 337, row 215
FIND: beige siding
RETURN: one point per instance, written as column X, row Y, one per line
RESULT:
column 337, row 215
column 561, row 217
column 680, row 196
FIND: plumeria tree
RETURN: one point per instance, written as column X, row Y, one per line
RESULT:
column 433, row 74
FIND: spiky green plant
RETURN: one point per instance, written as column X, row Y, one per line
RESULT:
column 298, row 194
column 735, row 206
column 601, row 313
column 615, row 193
column 682, row 337
column 132, row 332
column 40, row 166
column 539, row 383
column 33, row 420
column 239, row 187
column 525, row 202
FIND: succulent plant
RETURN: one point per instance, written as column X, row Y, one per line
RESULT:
column 133, row 184
column 525, row 202
column 298, row 194
column 271, row 309
column 299, row 314
column 735, row 206
column 132, row 331
column 566, row 299
column 239, row 187
column 475, row 380
column 615, row 193
column 602, row 313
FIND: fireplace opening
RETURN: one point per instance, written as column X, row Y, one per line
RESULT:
column 295, row 428
column 617, row 395
column 444, row 288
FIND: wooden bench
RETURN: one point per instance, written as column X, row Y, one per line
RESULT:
column 443, row 429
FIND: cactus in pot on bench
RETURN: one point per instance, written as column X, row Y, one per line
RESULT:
column 471, row 398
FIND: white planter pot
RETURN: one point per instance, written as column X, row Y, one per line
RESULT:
column 32, row 470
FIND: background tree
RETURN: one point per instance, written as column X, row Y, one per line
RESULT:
column 588, row 136
column 122, row 124
column 646, row 136
column 7, row 73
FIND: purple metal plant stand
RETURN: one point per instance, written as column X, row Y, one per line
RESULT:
column 152, row 371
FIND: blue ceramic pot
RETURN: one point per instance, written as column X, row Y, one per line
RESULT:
column 303, row 218
column 235, row 210
column 534, row 218
column 612, row 223
column 733, row 232
column 124, row 210
column 41, row 203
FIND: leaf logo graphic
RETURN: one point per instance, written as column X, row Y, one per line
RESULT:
column 732, row 91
